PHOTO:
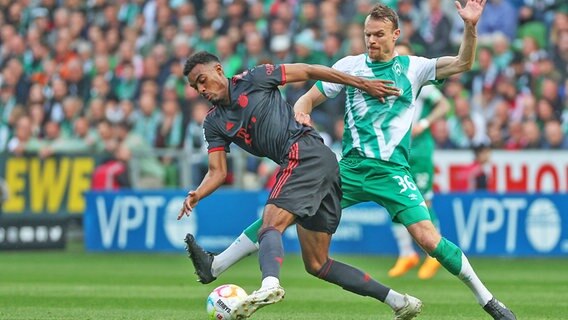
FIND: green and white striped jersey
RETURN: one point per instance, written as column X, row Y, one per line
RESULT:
column 374, row 129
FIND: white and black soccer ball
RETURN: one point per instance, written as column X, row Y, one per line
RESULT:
column 222, row 300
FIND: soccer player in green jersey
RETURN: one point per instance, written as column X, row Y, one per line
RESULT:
column 376, row 146
column 430, row 106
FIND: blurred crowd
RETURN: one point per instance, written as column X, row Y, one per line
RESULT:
column 105, row 77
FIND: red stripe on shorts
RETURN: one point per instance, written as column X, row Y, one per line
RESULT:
column 292, row 164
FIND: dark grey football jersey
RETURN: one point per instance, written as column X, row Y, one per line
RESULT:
column 257, row 119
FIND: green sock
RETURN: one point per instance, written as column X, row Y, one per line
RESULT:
column 449, row 256
column 252, row 231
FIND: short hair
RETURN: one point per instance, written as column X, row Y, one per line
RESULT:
column 201, row 57
column 383, row 12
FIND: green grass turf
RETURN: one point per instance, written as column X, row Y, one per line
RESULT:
column 78, row 285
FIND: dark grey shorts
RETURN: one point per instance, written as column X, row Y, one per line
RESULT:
column 308, row 185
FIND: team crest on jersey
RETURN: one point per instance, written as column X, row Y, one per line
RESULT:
column 243, row 100
column 269, row 68
column 397, row 68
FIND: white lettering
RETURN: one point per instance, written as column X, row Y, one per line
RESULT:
column 153, row 203
column 465, row 229
column 513, row 206
column 108, row 225
column 487, row 226
column 127, row 223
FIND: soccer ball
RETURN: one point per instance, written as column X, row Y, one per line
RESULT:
column 222, row 300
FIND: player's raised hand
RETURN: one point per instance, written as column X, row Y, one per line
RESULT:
column 303, row 118
column 188, row 204
column 472, row 10
column 381, row 89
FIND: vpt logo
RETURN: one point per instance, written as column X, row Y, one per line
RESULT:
column 543, row 225
column 494, row 222
column 151, row 216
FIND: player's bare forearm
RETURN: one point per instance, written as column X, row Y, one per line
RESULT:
column 215, row 176
column 448, row 66
column 301, row 72
column 307, row 102
column 470, row 13
column 211, row 182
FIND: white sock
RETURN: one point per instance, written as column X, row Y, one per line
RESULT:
column 239, row 249
column 468, row 276
column 270, row 282
column 403, row 240
column 395, row 300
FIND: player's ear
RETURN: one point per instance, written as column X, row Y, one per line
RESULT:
column 396, row 34
column 219, row 69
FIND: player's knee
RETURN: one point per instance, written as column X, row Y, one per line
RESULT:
column 314, row 265
column 428, row 241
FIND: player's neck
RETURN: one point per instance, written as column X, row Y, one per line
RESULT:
column 227, row 100
column 384, row 59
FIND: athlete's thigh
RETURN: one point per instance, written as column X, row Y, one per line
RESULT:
column 352, row 174
column 392, row 187
column 276, row 217
column 314, row 245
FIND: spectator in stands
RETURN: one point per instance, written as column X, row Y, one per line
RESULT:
column 441, row 135
column 493, row 19
column 554, row 137
column 23, row 140
column 72, row 108
column 478, row 175
column 194, row 144
column 495, row 135
column 435, row 30
column 132, row 147
column 114, row 56
column 148, row 121
column 531, row 135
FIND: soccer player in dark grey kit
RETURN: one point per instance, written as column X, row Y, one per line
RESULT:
column 248, row 110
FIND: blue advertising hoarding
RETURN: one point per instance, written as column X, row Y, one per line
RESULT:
column 505, row 225
column 481, row 224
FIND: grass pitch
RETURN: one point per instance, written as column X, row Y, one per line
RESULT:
column 78, row 285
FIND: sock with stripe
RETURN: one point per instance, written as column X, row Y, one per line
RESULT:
column 453, row 259
column 271, row 252
column 358, row 282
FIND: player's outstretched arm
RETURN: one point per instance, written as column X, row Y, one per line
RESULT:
column 215, row 177
column 306, row 103
column 448, row 66
column 296, row 72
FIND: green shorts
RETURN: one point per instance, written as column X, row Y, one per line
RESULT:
column 422, row 169
column 387, row 184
